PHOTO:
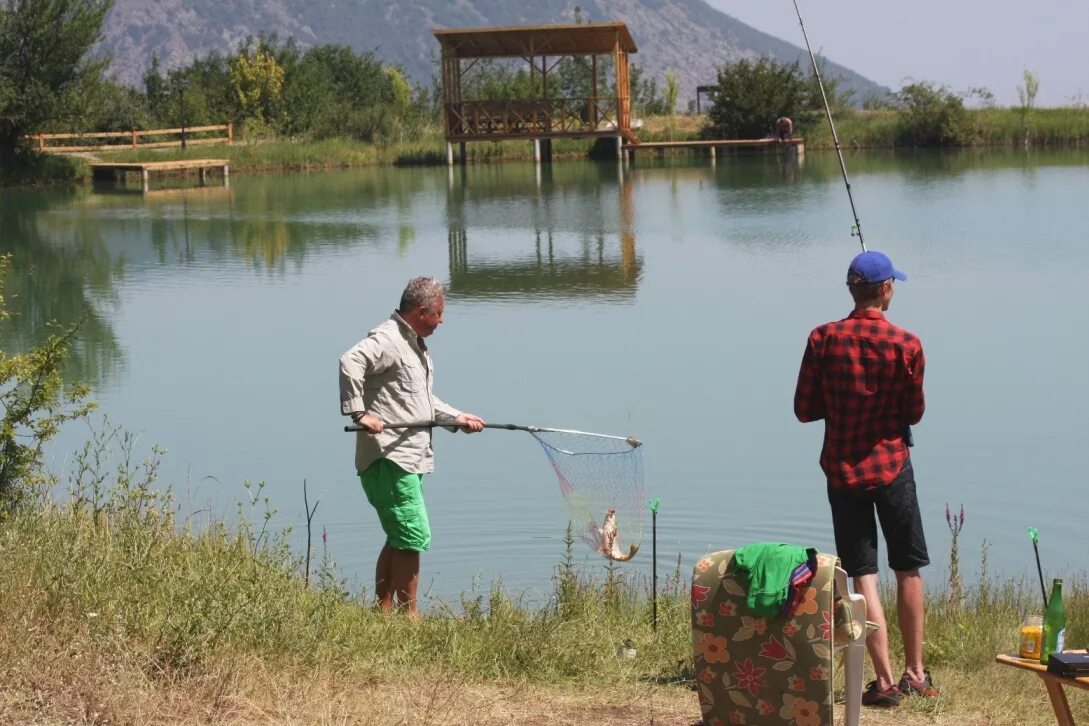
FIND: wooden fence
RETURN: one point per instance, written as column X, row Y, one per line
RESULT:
column 134, row 139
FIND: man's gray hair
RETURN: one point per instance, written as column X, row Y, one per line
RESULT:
column 421, row 292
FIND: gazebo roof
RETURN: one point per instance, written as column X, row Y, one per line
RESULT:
column 527, row 40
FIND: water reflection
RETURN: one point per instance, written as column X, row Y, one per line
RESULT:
column 61, row 272
column 579, row 241
column 567, row 231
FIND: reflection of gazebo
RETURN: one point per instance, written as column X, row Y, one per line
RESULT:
column 597, row 272
column 591, row 268
column 543, row 117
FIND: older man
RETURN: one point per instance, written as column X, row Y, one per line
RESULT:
column 387, row 378
column 864, row 377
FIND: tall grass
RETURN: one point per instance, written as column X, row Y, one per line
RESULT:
column 110, row 591
column 985, row 127
column 31, row 168
column 115, row 563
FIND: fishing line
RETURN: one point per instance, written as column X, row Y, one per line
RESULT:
column 857, row 229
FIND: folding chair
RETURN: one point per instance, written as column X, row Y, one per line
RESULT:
column 754, row 670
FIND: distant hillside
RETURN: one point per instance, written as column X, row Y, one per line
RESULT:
column 688, row 37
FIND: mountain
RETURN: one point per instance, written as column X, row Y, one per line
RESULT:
column 688, row 37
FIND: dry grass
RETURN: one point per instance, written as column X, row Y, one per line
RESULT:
column 112, row 613
column 48, row 681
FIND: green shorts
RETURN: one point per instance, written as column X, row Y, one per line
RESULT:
column 397, row 496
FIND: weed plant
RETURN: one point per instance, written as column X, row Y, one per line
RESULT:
column 114, row 562
column 111, row 576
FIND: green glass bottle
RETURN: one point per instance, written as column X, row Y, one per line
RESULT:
column 1054, row 623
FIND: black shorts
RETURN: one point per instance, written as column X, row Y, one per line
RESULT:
column 897, row 508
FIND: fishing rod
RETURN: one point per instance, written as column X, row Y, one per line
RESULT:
column 857, row 230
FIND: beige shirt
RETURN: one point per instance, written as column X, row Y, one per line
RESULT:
column 389, row 374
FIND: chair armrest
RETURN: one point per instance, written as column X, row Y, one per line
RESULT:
column 856, row 603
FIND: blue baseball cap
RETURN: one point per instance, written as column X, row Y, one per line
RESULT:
column 873, row 266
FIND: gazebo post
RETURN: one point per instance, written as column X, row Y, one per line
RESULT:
column 593, row 92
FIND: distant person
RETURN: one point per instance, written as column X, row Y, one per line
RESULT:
column 864, row 377
column 386, row 378
column 784, row 128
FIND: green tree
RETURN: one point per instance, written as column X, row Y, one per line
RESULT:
column 841, row 102
column 154, row 88
column 931, row 115
column 44, row 59
column 647, row 100
column 671, row 92
column 258, row 83
column 106, row 105
column 1026, row 94
column 751, row 95
column 494, row 80
column 333, row 91
column 35, row 403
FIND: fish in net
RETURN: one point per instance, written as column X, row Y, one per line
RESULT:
column 601, row 479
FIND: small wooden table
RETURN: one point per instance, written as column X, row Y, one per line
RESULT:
column 1053, row 683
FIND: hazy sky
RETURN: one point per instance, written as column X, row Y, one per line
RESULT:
column 958, row 43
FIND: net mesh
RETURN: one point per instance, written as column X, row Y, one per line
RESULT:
column 601, row 479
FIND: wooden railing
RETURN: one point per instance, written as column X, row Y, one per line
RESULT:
column 512, row 119
column 133, row 139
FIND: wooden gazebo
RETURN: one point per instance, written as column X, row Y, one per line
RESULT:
column 545, row 116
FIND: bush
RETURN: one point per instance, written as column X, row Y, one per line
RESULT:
column 35, row 403
column 931, row 115
column 750, row 96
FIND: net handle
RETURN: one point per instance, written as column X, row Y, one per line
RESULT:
column 507, row 426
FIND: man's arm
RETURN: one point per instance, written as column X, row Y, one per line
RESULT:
column 809, row 395
column 365, row 358
column 914, row 403
column 470, row 423
column 443, row 411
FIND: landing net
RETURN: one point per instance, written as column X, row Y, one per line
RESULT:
column 601, row 479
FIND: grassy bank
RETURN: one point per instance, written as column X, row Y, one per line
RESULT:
column 117, row 609
column 857, row 129
column 982, row 127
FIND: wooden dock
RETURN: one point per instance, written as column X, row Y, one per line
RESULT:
column 109, row 170
column 713, row 145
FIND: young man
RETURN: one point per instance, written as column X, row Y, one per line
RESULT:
column 864, row 377
column 387, row 377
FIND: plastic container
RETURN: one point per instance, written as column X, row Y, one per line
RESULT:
column 1032, row 636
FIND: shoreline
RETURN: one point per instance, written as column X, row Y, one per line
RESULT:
column 994, row 129
column 122, row 610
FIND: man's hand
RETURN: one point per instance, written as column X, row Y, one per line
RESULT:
column 370, row 423
column 470, row 423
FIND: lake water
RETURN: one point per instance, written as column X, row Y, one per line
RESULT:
column 667, row 300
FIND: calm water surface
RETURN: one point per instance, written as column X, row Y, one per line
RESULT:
column 668, row 301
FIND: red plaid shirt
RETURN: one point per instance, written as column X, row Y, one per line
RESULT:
column 864, row 377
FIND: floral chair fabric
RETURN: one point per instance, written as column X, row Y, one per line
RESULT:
column 750, row 670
